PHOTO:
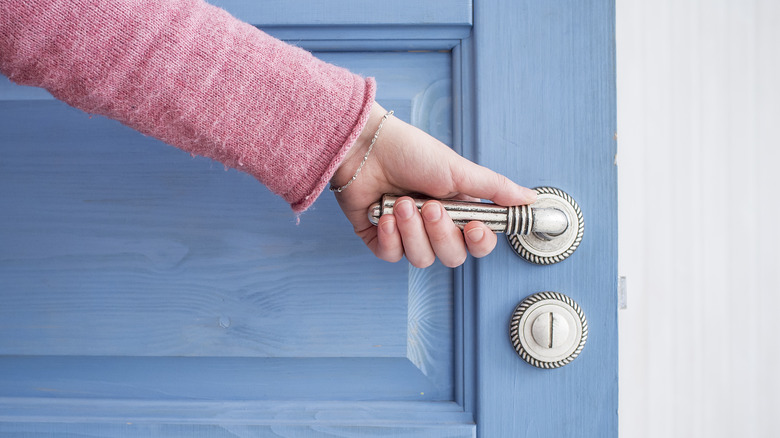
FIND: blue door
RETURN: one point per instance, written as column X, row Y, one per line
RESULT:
column 147, row 293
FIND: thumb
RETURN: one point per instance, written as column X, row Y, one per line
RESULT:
column 478, row 181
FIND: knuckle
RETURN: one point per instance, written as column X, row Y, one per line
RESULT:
column 502, row 183
column 457, row 261
column 438, row 236
column 440, row 232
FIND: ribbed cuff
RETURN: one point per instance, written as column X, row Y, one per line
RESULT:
column 369, row 91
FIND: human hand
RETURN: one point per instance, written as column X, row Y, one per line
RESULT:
column 407, row 160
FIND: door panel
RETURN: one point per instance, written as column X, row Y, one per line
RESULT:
column 157, row 255
column 160, row 242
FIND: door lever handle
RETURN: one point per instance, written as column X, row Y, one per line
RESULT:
column 546, row 232
column 519, row 219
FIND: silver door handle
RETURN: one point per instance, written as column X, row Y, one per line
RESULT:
column 546, row 232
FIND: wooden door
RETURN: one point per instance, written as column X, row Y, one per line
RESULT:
column 147, row 293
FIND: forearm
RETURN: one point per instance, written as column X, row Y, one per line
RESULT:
column 193, row 76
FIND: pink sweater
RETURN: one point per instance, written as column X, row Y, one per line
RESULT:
column 195, row 77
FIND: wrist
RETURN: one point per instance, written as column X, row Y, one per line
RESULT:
column 356, row 152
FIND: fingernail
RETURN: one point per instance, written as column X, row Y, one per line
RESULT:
column 529, row 194
column 403, row 209
column 431, row 212
column 388, row 227
column 475, row 234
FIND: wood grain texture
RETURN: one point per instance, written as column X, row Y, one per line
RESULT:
column 397, row 14
column 133, row 273
column 116, row 245
column 234, row 418
column 534, row 98
column 357, row 24
column 154, row 418
column 699, row 106
column 175, row 430
column 216, row 378
column 233, row 411
column 157, row 429
column 107, row 251
column 430, row 321
column 465, row 304
column 545, row 111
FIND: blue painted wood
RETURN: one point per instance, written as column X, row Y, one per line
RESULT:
column 533, row 97
column 358, row 24
column 235, row 411
column 269, row 13
column 371, row 38
column 102, row 417
column 218, row 378
column 545, row 115
column 395, row 43
column 119, row 255
column 159, row 429
column 464, row 139
column 145, row 233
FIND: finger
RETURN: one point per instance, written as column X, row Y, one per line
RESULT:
column 479, row 239
column 410, row 225
column 389, row 246
column 475, row 180
column 464, row 197
column 446, row 239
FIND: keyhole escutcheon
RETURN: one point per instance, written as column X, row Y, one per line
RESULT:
column 548, row 329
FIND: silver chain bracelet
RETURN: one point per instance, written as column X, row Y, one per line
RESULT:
column 365, row 157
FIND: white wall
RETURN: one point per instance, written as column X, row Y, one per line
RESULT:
column 699, row 166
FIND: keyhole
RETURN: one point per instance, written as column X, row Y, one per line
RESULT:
column 550, row 330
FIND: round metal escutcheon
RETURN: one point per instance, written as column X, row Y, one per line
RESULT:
column 546, row 250
column 548, row 330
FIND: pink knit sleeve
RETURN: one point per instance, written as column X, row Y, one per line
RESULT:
column 195, row 77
